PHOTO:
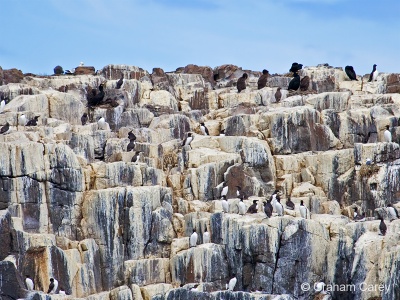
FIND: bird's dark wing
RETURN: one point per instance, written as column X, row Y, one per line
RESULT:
column 397, row 213
column 51, row 287
column 370, row 77
column 206, row 129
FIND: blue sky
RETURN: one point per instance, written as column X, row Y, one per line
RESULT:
column 37, row 35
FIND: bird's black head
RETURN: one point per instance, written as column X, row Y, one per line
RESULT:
column 205, row 230
column 189, row 134
column 374, row 66
column 238, row 187
column 245, row 75
column 387, row 127
column 27, row 276
column 37, row 117
column 389, row 205
column 276, row 192
column 85, row 114
column 279, row 89
column 223, row 197
column 194, row 230
column 301, row 202
column 265, row 72
column 202, row 123
column 51, row 279
column 255, row 201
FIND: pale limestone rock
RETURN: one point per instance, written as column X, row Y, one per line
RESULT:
column 146, row 271
column 149, row 291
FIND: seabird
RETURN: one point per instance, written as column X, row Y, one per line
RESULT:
column 131, row 136
column 206, row 237
column 96, row 97
column 387, row 135
column 84, row 118
column 274, row 197
column 131, row 145
column 195, row 288
column 242, row 207
column 29, row 283
column 81, row 64
column 294, row 84
column 5, row 128
column 279, row 207
column 295, row 67
column 241, row 83
column 304, row 83
column 289, row 204
column 225, row 204
column 2, row 104
column 187, row 140
column 368, row 162
column 136, row 157
column 268, row 208
column 120, row 82
column 253, row 208
column 53, row 286
column 33, row 122
column 393, row 211
column 262, row 81
column 350, row 72
column 222, row 132
column 193, row 239
column 303, row 210
column 101, row 122
column 22, row 120
column 225, row 189
column 204, row 129
column 232, row 283
column 278, row 95
column 374, row 74
column 355, row 213
column 382, row 227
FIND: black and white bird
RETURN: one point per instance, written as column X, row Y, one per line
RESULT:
column 374, row 74
column 131, row 145
column 29, row 283
column 225, row 189
column 204, row 129
column 232, row 283
column 382, row 227
column 33, row 122
column 387, row 135
column 350, row 72
column 2, row 105
column 225, row 204
column 289, row 204
column 53, row 286
column 22, row 120
column 222, row 132
column 206, row 236
column 368, row 162
column 136, row 157
column 195, row 288
column 268, row 208
column 394, row 214
column 355, row 213
column 304, row 213
column 193, row 239
column 131, row 136
column 187, row 140
column 5, row 128
column 240, row 193
column 101, row 122
column 279, row 207
column 120, row 82
column 84, row 118
column 253, row 208
column 242, row 207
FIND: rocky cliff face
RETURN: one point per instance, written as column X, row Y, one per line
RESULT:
column 74, row 207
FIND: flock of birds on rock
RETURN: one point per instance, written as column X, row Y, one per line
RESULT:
column 296, row 82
